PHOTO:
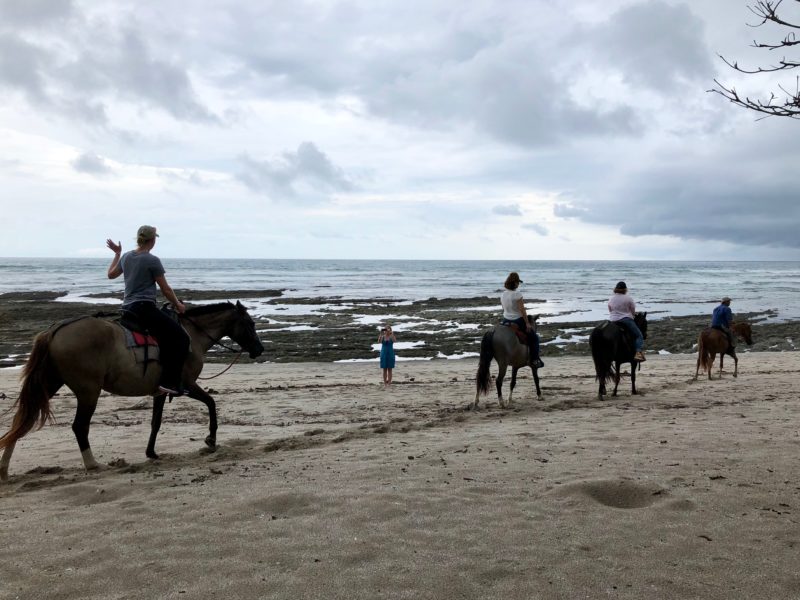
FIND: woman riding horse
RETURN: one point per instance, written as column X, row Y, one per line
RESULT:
column 622, row 311
column 514, row 312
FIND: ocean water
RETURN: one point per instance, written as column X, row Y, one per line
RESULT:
column 560, row 290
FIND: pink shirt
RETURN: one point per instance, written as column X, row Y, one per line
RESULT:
column 621, row 306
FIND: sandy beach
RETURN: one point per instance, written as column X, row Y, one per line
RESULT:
column 325, row 485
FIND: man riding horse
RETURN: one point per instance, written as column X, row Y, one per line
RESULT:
column 721, row 319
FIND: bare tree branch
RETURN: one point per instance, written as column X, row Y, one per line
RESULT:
column 789, row 106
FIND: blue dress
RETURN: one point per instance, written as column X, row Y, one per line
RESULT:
column 387, row 354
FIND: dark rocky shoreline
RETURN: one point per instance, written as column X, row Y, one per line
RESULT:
column 336, row 337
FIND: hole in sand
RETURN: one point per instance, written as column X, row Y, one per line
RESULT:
column 621, row 493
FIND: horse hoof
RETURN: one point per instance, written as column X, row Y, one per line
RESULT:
column 211, row 442
column 152, row 455
column 3, row 475
column 540, row 397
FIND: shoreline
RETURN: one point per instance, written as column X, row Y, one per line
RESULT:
column 332, row 329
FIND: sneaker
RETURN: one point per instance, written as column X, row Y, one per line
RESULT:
column 639, row 357
column 172, row 391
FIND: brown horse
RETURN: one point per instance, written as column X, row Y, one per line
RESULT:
column 713, row 341
column 89, row 355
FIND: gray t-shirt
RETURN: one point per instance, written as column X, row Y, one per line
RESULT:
column 140, row 270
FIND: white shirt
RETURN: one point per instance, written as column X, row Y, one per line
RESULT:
column 621, row 306
column 510, row 301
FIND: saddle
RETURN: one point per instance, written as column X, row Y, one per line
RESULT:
column 522, row 336
column 627, row 338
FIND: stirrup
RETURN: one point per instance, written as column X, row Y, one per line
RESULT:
column 174, row 392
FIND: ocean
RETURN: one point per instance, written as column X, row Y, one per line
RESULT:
column 559, row 290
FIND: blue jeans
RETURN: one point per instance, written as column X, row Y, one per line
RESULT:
column 631, row 326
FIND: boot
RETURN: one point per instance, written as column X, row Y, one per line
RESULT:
column 639, row 356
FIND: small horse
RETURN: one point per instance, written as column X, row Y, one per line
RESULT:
column 90, row 354
column 711, row 342
column 503, row 345
column 612, row 346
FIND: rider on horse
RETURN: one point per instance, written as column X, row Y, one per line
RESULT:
column 721, row 319
column 622, row 311
column 514, row 312
column 142, row 271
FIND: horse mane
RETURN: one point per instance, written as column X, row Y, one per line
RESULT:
column 206, row 309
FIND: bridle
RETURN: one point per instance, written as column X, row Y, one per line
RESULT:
column 215, row 342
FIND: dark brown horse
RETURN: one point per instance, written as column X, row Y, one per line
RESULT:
column 711, row 342
column 501, row 344
column 89, row 355
column 611, row 347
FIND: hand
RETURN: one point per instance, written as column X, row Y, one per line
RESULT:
column 180, row 307
column 116, row 248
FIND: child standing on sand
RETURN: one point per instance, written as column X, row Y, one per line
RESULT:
column 387, row 340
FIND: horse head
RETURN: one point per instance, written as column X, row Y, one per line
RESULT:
column 532, row 321
column 744, row 331
column 243, row 332
column 641, row 322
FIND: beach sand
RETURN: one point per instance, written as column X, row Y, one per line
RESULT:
column 325, row 485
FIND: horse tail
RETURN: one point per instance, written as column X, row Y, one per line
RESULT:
column 40, row 382
column 703, row 354
column 602, row 355
column 487, row 354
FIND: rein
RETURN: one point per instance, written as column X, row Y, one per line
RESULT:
column 215, row 342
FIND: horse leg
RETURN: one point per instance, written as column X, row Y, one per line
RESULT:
column 87, row 403
column 735, row 365
column 513, row 384
column 501, row 373
column 198, row 393
column 616, row 378
column 711, row 358
column 155, row 425
column 633, row 378
column 536, row 382
column 4, row 462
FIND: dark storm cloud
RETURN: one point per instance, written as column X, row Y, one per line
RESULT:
column 91, row 164
column 307, row 174
column 703, row 202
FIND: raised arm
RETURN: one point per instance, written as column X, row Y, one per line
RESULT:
column 161, row 280
column 114, row 270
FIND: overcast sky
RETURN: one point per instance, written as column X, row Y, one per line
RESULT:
column 530, row 129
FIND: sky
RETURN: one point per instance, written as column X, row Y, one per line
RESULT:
column 521, row 129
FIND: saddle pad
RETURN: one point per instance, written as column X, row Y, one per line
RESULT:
column 142, row 352
column 522, row 336
column 141, row 339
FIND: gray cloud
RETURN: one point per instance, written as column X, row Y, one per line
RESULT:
column 91, row 164
column 33, row 13
column 307, row 174
column 567, row 211
column 507, row 209
column 537, row 228
column 654, row 44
